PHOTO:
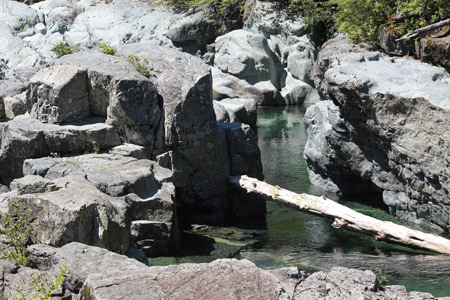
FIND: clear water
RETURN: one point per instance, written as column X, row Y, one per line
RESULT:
column 299, row 239
column 295, row 238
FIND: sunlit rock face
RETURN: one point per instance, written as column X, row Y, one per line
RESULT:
column 384, row 131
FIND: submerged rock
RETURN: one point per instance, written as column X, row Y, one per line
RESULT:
column 383, row 131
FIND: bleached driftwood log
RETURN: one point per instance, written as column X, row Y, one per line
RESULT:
column 343, row 216
column 419, row 31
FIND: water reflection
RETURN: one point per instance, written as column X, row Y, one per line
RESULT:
column 295, row 238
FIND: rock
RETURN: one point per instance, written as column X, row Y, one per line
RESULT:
column 243, row 150
column 199, row 156
column 15, row 106
column 342, row 283
column 435, row 50
column 8, row 88
column 59, row 94
column 82, row 260
column 386, row 38
column 143, row 192
column 236, row 110
column 222, row 114
column 23, row 279
column 23, row 138
column 216, row 280
column 270, row 20
column 131, row 150
column 246, row 56
column 384, row 132
column 195, row 29
column 18, row 16
column 30, row 184
column 228, row 86
column 64, row 215
column 116, row 91
column 296, row 92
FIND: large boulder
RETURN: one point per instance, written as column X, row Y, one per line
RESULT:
column 342, row 283
column 139, row 189
column 62, row 214
column 82, row 260
column 189, row 135
column 221, row 279
column 23, row 138
column 383, row 132
column 271, row 60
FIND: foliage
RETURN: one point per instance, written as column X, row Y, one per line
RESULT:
column 44, row 286
column 360, row 19
column 106, row 48
column 95, row 147
column 419, row 13
column 62, row 49
column 381, row 279
column 140, row 64
column 221, row 9
column 17, row 229
column 316, row 12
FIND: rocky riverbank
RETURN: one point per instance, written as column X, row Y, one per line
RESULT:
column 383, row 131
column 113, row 151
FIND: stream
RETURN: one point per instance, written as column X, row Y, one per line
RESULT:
column 298, row 239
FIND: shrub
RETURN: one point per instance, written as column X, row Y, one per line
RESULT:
column 17, row 229
column 106, row 48
column 381, row 279
column 140, row 64
column 44, row 286
column 360, row 19
column 316, row 12
column 221, row 9
column 62, row 49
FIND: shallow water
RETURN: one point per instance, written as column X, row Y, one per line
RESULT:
column 295, row 238
column 298, row 239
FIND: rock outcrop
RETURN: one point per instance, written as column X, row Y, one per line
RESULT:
column 430, row 43
column 384, row 131
column 271, row 60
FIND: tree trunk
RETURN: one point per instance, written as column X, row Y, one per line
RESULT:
column 344, row 217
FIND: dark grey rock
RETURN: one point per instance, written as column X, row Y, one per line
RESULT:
column 386, row 38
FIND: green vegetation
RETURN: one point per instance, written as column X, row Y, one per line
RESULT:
column 62, row 49
column 140, row 64
column 221, row 9
column 360, row 19
column 106, row 48
column 17, row 229
column 44, row 286
column 381, row 280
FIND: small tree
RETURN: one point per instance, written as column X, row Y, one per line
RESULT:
column 17, row 229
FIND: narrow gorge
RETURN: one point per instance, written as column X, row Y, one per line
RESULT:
column 121, row 123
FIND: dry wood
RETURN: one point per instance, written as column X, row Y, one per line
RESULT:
column 423, row 29
column 343, row 216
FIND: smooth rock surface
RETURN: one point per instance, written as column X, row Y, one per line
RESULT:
column 221, row 279
column 82, row 260
column 383, row 132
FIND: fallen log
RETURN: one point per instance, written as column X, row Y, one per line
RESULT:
column 343, row 216
column 419, row 31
